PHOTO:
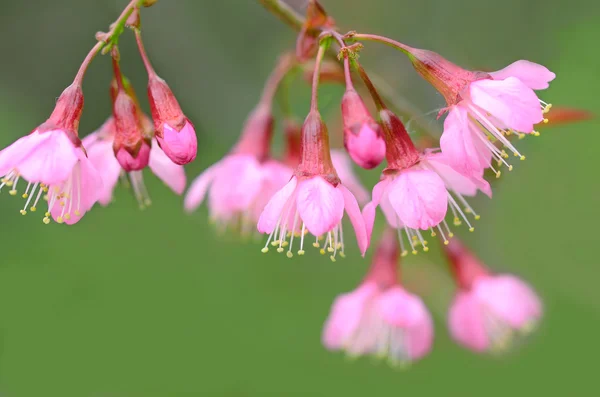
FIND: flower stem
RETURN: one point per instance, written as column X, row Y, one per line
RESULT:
column 381, row 39
column 323, row 46
column 286, row 63
column 369, row 84
column 143, row 54
column 284, row 12
column 109, row 39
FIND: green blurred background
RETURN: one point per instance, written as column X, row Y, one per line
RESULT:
column 155, row 303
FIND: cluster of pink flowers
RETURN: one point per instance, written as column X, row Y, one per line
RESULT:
column 70, row 175
column 308, row 190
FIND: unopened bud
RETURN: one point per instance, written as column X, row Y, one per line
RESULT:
column 363, row 138
column 256, row 135
column 131, row 148
column 174, row 132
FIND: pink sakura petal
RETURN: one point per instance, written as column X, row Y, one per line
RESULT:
column 509, row 298
column 466, row 322
column 83, row 188
column 343, row 166
column 101, row 155
column 171, row 174
column 346, row 314
column 369, row 211
column 238, row 184
column 273, row 211
column 320, row 205
column 50, row 158
column 510, row 101
column 275, row 176
column 406, row 311
column 456, row 181
column 461, row 145
column 533, row 75
column 358, row 222
column 197, row 191
column 419, row 197
column 12, row 155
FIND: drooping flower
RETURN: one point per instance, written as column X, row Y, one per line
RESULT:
column 174, row 132
column 489, row 312
column 54, row 164
column 313, row 201
column 99, row 146
column 239, row 185
column 380, row 317
column 484, row 108
column 417, row 189
column 362, row 135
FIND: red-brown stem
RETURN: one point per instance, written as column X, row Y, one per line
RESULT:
column 315, row 83
column 86, row 63
column 117, row 72
column 285, row 64
column 372, row 90
column 143, row 54
column 465, row 266
column 381, row 39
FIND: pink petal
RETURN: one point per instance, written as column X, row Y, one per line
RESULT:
column 273, row 210
column 509, row 298
column 345, row 316
column 343, row 166
column 275, row 176
column 356, row 218
column 236, row 186
column 367, row 147
column 102, row 157
column 419, row 197
column 408, row 312
column 510, row 101
column 466, row 322
column 461, row 145
column 320, row 205
column 171, row 174
column 533, row 75
column 48, row 157
column 369, row 211
column 456, row 181
column 197, row 191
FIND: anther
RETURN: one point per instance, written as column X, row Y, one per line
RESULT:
column 46, row 220
column 472, row 229
column 289, row 254
column 23, row 212
column 316, row 245
column 301, row 252
column 322, row 251
column 280, row 250
column 522, row 158
column 332, row 258
column 12, row 192
column 264, row 250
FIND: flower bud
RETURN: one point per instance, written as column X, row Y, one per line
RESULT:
column 362, row 135
column 174, row 132
column 131, row 148
column 256, row 135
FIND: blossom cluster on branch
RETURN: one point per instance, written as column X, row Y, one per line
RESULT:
column 300, row 198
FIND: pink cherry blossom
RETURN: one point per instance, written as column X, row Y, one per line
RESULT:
column 380, row 317
column 493, row 313
column 311, row 205
column 238, row 188
column 99, row 146
column 385, row 322
column 55, row 168
column 418, row 198
column 497, row 106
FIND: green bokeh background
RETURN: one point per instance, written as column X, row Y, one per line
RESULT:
column 155, row 303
